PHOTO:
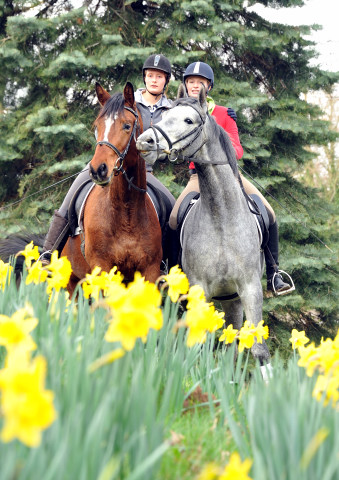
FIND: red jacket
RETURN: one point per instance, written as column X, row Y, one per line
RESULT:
column 229, row 125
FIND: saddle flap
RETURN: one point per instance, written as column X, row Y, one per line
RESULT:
column 76, row 204
column 261, row 216
column 159, row 204
column 185, row 207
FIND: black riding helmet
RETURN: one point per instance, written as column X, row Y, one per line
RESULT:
column 200, row 69
column 158, row 62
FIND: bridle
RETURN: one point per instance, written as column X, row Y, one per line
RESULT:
column 118, row 167
column 173, row 153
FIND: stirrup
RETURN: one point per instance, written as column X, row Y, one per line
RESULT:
column 163, row 268
column 45, row 257
column 289, row 280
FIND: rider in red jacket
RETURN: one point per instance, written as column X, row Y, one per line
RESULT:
column 198, row 73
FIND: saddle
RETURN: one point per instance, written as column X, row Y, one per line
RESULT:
column 255, row 204
column 77, row 205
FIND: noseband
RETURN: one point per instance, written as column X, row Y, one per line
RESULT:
column 121, row 155
column 173, row 153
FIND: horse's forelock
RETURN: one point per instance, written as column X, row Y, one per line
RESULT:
column 113, row 105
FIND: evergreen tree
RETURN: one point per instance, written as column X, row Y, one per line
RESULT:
column 51, row 54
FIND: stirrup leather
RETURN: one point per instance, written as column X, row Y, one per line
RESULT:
column 289, row 280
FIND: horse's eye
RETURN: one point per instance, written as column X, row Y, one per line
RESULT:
column 188, row 121
column 127, row 127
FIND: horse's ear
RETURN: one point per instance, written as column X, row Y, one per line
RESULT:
column 102, row 95
column 182, row 91
column 202, row 98
column 129, row 94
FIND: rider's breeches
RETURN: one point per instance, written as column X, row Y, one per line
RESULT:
column 193, row 186
column 80, row 179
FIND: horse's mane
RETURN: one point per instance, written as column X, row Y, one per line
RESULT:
column 226, row 145
column 115, row 104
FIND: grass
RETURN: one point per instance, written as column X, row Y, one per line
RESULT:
column 197, row 438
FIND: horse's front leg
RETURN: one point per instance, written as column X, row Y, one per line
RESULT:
column 252, row 299
column 152, row 273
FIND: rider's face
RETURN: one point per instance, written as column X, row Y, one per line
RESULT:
column 155, row 81
column 193, row 85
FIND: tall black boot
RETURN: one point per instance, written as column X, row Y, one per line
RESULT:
column 275, row 281
column 172, row 247
column 56, row 237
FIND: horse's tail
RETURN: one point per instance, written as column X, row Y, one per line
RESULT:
column 15, row 243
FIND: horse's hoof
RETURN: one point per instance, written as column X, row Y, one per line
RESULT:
column 266, row 372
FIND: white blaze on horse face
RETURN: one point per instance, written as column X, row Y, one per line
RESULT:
column 109, row 121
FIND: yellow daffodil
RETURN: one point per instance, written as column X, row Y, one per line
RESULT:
column 309, row 358
column 228, row 334
column 325, row 360
column 246, row 336
column 261, row 331
column 327, row 386
column 36, row 274
column 98, row 281
column 211, row 471
column 178, row 283
column 135, row 310
column 195, row 296
column 5, row 274
column 236, row 469
column 15, row 330
column 200, row 320
column 201, row 317
column 298, row 339
column 26, row 406
column 60, row 271
column 31, row 253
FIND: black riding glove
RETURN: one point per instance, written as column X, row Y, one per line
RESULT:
column 231, row 113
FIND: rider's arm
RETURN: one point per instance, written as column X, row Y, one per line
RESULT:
column 232, row 130
column 223, row 119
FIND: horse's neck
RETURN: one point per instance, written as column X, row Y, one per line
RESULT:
column 220, row 189
column 129, row 188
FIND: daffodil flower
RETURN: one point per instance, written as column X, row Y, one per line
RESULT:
column 298, row 339
column 5, row 274
column 31, row 253
column 26, row 406
column 228, row 334
column 178, row 283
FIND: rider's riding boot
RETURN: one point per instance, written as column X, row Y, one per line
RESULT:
column 173, row 248
column 275, row 282
column 56, row 237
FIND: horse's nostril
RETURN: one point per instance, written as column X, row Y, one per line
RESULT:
column 102, row 171
column 150, row 141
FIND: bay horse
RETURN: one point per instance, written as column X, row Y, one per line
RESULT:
column 219, row 237
column 120, row 224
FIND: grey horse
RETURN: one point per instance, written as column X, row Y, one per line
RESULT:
column 220, row 241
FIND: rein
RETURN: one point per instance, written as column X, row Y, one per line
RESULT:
column 175, row 154
column 121, row 156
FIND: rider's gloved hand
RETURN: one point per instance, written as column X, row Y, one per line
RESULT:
column 231, row 113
